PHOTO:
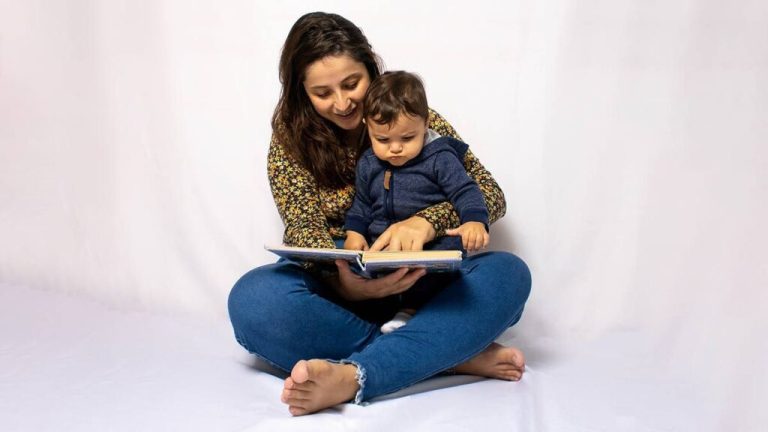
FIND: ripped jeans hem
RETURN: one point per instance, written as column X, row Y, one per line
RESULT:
column 360, row 376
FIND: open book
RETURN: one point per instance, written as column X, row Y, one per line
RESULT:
column 369, row 263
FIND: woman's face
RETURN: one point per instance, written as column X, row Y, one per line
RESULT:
column 336, row 86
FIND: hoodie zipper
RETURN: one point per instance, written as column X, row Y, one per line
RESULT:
column 389, row 191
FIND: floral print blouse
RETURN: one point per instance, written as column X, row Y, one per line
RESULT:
column 314, row 215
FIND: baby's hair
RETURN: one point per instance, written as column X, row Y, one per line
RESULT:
column 394, row 93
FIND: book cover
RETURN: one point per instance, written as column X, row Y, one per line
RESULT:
column 370, row 263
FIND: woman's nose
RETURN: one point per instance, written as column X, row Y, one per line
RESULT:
column 342, row 103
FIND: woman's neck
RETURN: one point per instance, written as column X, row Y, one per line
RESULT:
column 352, row 138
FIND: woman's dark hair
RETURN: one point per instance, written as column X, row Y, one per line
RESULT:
column 394, row 93
column 311, row 139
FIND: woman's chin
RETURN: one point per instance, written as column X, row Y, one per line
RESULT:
column 348, row 123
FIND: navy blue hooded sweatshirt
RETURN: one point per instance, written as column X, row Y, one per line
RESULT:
column 434, row 176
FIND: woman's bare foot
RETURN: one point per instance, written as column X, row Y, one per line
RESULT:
column 496, row 361
column 315, row 385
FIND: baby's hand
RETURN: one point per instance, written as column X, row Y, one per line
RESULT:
column 473, row 235
column 355, row 241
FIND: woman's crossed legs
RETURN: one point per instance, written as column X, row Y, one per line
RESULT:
column 286, row 316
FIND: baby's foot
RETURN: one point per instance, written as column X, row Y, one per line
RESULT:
column 496, row 361
column 315, row 385
column 400, row 319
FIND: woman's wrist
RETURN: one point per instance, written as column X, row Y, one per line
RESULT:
column 336, row 283
column 439, row 217
column 426, row 226
column 333, row 280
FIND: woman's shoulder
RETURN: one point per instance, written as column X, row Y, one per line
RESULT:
column 439, row 124
column 279, row 142
column 280, row 158
column 279, row 133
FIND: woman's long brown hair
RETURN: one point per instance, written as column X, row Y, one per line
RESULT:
column 312, row 140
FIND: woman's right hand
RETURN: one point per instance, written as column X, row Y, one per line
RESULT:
column 354, row 287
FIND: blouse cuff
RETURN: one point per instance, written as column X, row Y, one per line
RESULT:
column 441, row 216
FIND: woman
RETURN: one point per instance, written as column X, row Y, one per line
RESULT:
column 322, row 324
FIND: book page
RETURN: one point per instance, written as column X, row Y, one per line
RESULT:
column 368, row 263
column 433, row 261
column 314, row 254
column 416, row 256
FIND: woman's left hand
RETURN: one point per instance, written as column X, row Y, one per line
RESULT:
column 354, row 287
column 410, row 234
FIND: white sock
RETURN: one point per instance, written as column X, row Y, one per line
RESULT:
column 399, row 320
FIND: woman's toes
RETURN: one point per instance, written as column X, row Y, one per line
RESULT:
column 300, row 372
column 289, row 384
column 293, row 396
column 518, row 359
column 297, row 411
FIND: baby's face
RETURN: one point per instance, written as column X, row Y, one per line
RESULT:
column 400, row 142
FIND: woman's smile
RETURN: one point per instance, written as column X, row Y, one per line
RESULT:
column 348, row 114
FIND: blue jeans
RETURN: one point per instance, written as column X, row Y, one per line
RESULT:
column 284, row 314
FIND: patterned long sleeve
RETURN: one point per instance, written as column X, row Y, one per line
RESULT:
column 443, row 216
column 297, row 197
column 314, row 215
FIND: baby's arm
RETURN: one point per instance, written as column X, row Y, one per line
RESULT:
column 473, row 235
column 358, row 217
column 466, row 198
column 355, row 241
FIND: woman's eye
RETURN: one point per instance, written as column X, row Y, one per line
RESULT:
column 351, row 86
column 323, row 95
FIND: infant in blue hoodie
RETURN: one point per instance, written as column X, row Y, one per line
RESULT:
column 407, row 169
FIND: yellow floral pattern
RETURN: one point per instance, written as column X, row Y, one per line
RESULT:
column 314, row 215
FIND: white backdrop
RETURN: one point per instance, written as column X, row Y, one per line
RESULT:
column 629, row 137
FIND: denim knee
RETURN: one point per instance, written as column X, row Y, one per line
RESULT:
column 239, row 305
column 517, row 275
column 277, row 314
column 254, row 303
column 508, row 280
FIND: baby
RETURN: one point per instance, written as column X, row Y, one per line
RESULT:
column 407, row 169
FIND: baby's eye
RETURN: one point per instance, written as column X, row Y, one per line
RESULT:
column 382, row 140
column 408, row 138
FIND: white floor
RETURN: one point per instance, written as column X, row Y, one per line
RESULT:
column 71, row 364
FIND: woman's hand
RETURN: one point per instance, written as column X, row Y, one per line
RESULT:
column 354, row 287
column 410, row 234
